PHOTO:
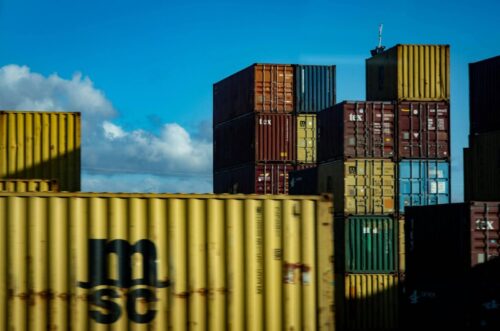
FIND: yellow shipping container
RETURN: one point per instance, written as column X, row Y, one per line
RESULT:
column 41, row 145
column 409, row 72
column 402, row 249
column 92, row 261
column 28, row 185
column 359, row 186
column 368, row 302
column 306, row 138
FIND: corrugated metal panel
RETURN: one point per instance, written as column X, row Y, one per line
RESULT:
column 255, row 138
column 262, row 88
column 28, row 185
column 484, row 84
column 423, row 130
column 306, row 138
column 158, row 262
column 484, row 167
column 360, row 186
column 371, row 302
column 401, row 245
column 315, row 88
column 254, row 178
column 371, row 244
column 356, row 129
column 41, row 145
column 303, row 181
column 409, row 72
column 423, row 182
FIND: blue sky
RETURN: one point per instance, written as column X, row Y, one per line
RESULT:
column 147, row 68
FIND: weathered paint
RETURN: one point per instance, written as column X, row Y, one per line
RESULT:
column 41, row 145
column 360, row 186
column 255, row 138
column 371, row 243
column 423, row 130
column 306, row 138
column 165, row 262
column 369, row 302
column 409, row 72
column 28, row 185
column 357, row 129
column 315, row 88
column 423, row 182
column 260, row 178
column 261, row 88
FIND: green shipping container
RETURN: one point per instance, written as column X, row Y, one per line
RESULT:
column 370, row 244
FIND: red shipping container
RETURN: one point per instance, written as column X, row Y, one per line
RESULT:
column 356, row 129
column 255, row 138
column 253, row 178
column 423, row 130
column 450, row 239
column 262, row 88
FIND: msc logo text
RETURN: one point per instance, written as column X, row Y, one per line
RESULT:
column 104, row 309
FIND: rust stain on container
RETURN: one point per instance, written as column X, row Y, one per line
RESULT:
column 101, row 247
column 356, row 129
column 262, row 88
column 423, row 130
column 255, row 138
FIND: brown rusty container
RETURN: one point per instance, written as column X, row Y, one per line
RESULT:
column 261, row 88
column 450, row 239
column 482, row 173
column 423, row 130
column 255, row 138
column 356, row 129
column 484, row 95
column 254, row 178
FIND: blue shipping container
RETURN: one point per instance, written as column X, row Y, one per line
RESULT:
column 315, row 88
column 423, row 182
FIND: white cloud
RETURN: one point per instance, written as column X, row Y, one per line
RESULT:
column 114, row 158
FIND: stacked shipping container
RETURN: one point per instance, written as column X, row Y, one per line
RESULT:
column 265, row 125
column 482, row 158
column 453, row 266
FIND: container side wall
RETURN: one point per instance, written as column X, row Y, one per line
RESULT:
column 423, row 182
column 371, row 244
column 306, row 138
column 484, row 166
column 28, row 185
column 371, row 302
column 315, row 88
column 159, row 262
column 423, row 130
column 484, row 84
column 41, row 145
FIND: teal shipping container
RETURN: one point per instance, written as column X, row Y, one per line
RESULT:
column 315, row 88
column 369, row 244
column 423, row 182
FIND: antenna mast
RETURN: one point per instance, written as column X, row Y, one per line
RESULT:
column 379, row 49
